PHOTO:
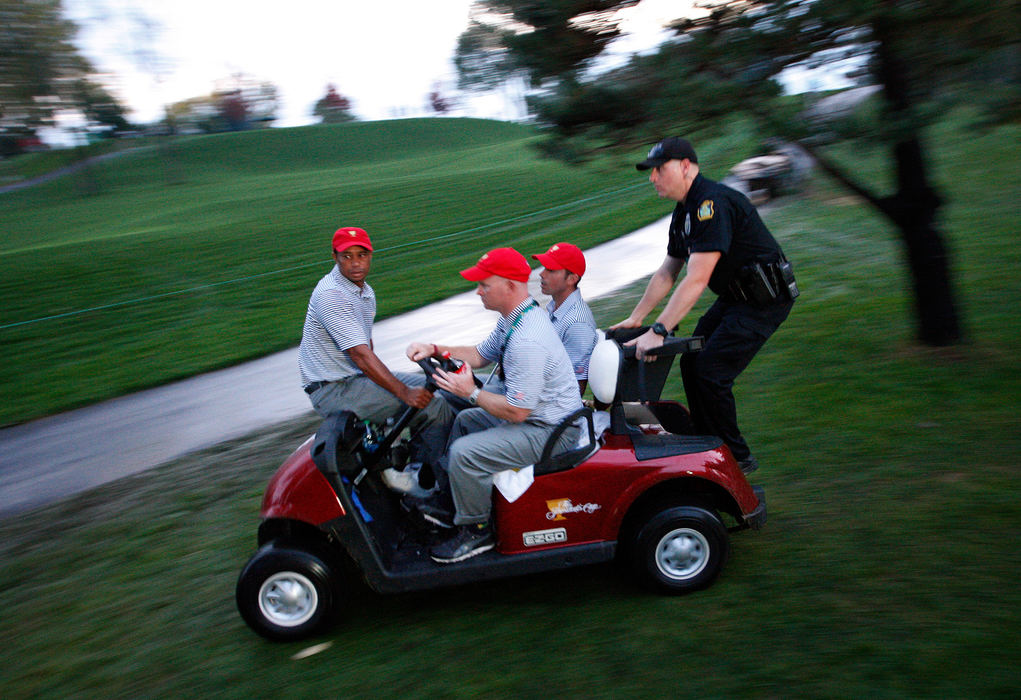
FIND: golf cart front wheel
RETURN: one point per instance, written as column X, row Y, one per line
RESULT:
column 681, row 549
column 286, row 593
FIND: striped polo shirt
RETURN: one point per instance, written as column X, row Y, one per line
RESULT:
column 576, row 327
column 537, row 370
column 339, row 317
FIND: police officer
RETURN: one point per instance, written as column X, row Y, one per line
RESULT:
column 718, row 234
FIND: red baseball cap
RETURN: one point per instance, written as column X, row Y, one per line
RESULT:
column 563, row 256
column 502, row 262
column 348, row 236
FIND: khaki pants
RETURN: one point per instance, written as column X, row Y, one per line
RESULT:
column 373, row 403
column 482, row 445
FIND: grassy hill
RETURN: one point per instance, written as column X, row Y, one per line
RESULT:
column 888, row 567
column 201, row 252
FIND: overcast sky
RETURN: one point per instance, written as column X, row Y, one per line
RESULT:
column 384, row 55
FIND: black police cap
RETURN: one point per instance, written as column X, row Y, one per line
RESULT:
column 673, row 148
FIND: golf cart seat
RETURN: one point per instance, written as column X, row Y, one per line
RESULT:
column 549, row 463
column 633, row 388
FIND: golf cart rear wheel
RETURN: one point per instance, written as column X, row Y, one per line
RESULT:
column 681, row 549
column 286, row 592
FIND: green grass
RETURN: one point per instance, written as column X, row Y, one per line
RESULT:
column 200, row 253
column 31, row 165
column 888, row 567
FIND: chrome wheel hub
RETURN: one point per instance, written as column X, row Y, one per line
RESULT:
column 682, row 553
column 288, row 599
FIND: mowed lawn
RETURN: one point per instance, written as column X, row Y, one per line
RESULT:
column 888, row 567
column 199, row 253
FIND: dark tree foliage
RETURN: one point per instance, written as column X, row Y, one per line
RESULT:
column 543, row 39
column 100, row 108
column 333, row 108
column 234, row 111
column 437, row 102
column 41, row 72
column 482, row 59
column 248, row 103
column 726, row 61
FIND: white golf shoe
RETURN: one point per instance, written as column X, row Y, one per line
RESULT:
column 405, row 481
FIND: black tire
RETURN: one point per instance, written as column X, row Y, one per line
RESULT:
column 286, row 592
column 680, row 549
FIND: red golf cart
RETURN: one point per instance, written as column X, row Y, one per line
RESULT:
column 646, row 491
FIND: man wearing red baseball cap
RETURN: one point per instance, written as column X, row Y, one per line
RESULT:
column 563, row 266
column 339, row 370
column 501, row 431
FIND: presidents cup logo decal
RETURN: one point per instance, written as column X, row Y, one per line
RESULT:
column 560, row 507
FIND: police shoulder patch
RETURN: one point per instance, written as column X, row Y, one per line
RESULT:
column 705, row 210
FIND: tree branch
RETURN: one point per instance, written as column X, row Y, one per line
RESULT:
column 836, row 173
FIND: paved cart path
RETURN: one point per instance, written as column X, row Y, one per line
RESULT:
column 55, row 457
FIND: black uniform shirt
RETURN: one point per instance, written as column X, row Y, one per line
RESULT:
column 717, row 217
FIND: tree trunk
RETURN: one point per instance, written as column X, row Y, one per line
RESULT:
column 913, row 209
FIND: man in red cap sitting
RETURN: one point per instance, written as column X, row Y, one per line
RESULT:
column 502, row 431
column 564, row 265
column 340, row 371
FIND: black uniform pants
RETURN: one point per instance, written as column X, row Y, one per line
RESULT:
column 733, row 333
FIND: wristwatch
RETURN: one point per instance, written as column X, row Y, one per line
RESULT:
column 659, row 329
column 473, row 398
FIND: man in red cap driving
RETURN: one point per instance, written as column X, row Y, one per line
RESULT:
column 563, row 266
column 502, row 431
column 340, row 371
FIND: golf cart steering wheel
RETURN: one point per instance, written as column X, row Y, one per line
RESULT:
column 429, row 365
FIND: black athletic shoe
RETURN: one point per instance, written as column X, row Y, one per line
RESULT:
column 469, row 541
column 748, row 465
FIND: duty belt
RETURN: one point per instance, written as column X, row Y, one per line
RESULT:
column 763, row 284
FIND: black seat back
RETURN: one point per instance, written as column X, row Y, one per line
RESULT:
column 549, row 463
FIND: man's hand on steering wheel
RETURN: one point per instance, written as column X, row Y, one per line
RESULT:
column 420, row 351
column 460, row 383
